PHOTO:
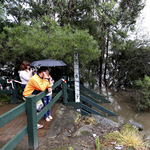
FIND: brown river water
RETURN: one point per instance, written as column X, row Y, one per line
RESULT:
column 122, row 105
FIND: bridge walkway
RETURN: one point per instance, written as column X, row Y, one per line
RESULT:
column 9, row 130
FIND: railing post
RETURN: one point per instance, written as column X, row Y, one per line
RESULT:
column 32, row 122
column 14, row 99
column 64, row 90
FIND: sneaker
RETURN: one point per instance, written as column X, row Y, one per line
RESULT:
column 47, row 119
column 50, row 117
column 39, row 126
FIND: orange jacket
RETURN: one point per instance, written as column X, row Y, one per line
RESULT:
column 36, row 83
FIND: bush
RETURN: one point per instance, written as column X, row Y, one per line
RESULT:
column 143, row 88
column 4, row 99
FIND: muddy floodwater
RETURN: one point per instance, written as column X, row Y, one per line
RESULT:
column 122, row 104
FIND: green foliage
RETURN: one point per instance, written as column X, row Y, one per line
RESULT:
column 4, row 99
column 90, row 27
column 2, row 16
column 45, row 39
column 17, row 10
column 97, row 143
column 129, row 63
column 143, row 86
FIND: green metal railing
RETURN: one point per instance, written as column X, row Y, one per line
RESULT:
column 15, row 95
column 89, row 101
column 88, row 98
column 32, row 117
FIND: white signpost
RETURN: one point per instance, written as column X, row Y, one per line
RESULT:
column 76, row 78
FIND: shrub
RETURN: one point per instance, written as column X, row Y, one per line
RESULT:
column 4, row 99
column 143, row 88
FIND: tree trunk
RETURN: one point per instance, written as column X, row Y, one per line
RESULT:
column 101, row 62
column 69, row 9
column 106, row 64
column 100, row 74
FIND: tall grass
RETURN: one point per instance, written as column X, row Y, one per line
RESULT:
column 127, row 136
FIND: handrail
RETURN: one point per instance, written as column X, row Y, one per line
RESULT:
column 94, row 94
column 89, row 97
column 97, row 106
column 13, row 92
column 16, row 139
column 57, row 83
column 85, row 107
column 82, row 87
column 49, row 105
column 32, row 118
column 13, row 113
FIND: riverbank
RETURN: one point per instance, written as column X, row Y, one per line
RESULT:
column 71, row 131
column 124, row 105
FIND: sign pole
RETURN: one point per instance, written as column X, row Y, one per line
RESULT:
column 76, row 78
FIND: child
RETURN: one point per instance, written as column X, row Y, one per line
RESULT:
column 47, row 99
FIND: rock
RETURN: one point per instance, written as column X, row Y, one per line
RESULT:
column 43, row 147
column 66, row 134
column 83, row 130
column 63, row 108
column 60, row 112
column 107, row 122
column 55, row 128
column 137, row 125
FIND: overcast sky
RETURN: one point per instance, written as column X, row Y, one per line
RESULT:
column 142, row 24
column 146, row 13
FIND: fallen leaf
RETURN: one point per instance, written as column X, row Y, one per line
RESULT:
column 106, row 144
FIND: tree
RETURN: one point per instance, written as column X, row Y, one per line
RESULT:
column 108, row 21
column 2, row 15
column 143, row 87
column 45, row 39
column 129, row 64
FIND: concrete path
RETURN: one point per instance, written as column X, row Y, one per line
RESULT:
column 13, row 127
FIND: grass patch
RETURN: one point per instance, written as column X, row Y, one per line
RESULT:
column 128, row 136
column 85, row 120
column 84, row 132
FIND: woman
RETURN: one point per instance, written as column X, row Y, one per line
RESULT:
column 25, row 74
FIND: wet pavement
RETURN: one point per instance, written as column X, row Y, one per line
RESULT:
column 9, row 130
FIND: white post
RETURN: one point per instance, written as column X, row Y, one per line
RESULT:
column 76, row 78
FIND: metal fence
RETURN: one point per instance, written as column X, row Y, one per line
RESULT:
column 89, row 100
column 32, row 117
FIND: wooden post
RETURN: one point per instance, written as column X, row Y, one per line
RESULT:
column 32, row 121
column 64, row 90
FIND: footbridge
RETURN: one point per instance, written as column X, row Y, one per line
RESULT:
column 62, row 89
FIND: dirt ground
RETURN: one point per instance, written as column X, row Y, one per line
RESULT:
column 77, row 133
column 69, row 138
